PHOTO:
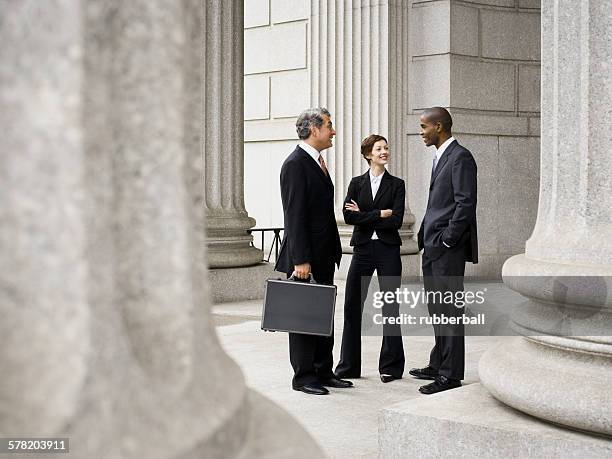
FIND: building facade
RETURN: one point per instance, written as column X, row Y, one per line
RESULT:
column 376, row 65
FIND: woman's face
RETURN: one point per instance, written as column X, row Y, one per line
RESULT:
column 380, row 153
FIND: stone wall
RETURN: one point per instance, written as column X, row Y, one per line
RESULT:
column 481, row 59
column 277, row 89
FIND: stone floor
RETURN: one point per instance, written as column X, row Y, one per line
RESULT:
column 345, row 423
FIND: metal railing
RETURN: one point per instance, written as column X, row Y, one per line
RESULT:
column 275, row 240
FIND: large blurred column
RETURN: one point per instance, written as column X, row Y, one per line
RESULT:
column 561, row 370
column 45, row 340
column 106, row 335
column 223, row 63
column 358, row 71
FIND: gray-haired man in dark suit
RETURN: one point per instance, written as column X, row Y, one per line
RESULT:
column 311, row 243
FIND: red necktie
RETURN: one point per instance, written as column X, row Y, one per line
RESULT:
column 322, row 163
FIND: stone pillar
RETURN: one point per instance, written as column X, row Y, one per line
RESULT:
column 358, row 71
column 106, row 335
column 565, row 270
column 223, row 142
column 44, row 332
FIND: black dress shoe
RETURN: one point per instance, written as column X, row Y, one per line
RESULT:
column 341, row 375
column 387, row 378
column 424, row 373
column 312, row 389
column 335, row 382
column 440, row 384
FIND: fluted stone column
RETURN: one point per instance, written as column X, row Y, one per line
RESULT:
column 227, row 219
column 358, row 71
column 562, row 373
column 106, row 336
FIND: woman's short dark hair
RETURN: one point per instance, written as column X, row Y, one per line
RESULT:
column 368, row 144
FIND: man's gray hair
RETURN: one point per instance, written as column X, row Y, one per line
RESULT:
column 309, row 118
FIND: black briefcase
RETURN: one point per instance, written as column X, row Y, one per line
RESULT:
column 299, row 307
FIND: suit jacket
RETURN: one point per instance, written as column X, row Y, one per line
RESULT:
column 451, row 208
column 391, row 195
column 311, row 232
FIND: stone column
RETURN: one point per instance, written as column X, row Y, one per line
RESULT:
column 562, row 373
column 106, row 335
column 223, row 142
column 44, row 332
column 358, row 71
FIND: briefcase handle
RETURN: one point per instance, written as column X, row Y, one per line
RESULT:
column 310, row 277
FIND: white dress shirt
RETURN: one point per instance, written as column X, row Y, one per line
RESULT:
column 375, row 184
column 440, row 151
column 312, row 151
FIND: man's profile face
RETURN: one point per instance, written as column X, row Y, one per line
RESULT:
column 429, row 131
column 325, row 134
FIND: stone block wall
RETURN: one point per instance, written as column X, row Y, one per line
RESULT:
column 276, row 90
column 481, row 59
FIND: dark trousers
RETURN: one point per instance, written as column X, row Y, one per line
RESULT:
column 443, row 273
column 385, row 260
column 310, row 355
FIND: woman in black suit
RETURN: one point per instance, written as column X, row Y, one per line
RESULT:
column 374, row 204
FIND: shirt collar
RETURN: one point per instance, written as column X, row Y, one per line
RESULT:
column 440, row 151
column 312, row 151
column 374, row 178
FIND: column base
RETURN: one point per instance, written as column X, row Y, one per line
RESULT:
column 274, row 433
column 559, row 385
column 239, row 284
column 228, row 255
column 229, row 244
column 258, row 428
column 561, row 370
column 468, row 422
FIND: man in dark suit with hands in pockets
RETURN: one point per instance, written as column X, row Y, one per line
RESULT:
column 448, row 238
column 311, row 243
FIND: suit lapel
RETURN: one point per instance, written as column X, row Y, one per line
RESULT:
column 313, row 165
column 385, row 183
column 442, row 161
column 367, row 190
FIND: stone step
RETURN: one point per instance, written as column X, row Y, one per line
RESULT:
column 468, row 422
